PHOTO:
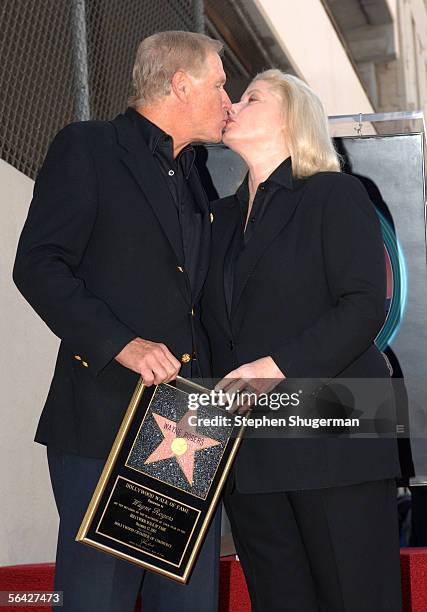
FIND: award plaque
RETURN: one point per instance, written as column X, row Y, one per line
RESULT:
column 162, row 480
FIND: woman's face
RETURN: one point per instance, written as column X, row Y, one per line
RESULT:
column 258, row 117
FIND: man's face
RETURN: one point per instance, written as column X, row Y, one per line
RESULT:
column 209, row 103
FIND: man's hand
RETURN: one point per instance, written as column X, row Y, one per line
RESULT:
column 260, row 376
column 152, row 360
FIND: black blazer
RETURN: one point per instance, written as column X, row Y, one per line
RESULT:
column 309, row 290
column 100, row 259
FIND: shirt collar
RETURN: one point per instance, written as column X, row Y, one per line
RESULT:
column 280, row 177
column 186, row 158
column 158, row 141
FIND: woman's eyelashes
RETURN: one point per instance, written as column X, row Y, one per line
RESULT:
column 249, row 100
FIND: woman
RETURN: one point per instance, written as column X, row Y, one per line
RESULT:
column 296, row 289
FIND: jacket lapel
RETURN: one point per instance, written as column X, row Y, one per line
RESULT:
column 205, row 241
column 278, row 214
column 227, row 222
column 229, row 270
column 138, row 158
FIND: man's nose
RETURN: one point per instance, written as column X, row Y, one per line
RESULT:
column 226, row 102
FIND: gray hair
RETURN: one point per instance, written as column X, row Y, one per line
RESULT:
column 308, row 138
column 161, row 55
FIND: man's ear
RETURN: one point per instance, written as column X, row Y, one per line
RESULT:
column 181, row 85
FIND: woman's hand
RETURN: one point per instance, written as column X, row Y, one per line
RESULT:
column 259, row 376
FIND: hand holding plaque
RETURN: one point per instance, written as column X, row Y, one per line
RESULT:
column 162, row 480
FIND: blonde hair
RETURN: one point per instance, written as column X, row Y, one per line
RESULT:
column 308, row 139
column 161, row 55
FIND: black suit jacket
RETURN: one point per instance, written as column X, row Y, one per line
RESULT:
column 100, row 259
column 309, row 290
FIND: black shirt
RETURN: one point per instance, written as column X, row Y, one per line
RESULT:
column 280, row 177
column 176, row 173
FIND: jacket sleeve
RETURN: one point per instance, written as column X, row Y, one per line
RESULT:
column 56, row 233
column 353, row 254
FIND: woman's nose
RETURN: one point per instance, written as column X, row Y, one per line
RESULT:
column 234, row 108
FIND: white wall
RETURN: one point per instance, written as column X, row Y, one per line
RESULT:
column 311, row 44
column 29, row 523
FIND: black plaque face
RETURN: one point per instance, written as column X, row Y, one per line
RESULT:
column 146, row 521
column 162, row 480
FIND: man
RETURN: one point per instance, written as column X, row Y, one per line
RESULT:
column 113, row 257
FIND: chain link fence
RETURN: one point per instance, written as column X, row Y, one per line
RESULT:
column 68, row 60
column 64, row 60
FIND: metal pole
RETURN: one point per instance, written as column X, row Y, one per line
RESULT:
column 392, row 116
column 199, row 16
column 80, row 63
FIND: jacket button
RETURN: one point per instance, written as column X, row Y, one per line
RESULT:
column 180, row 269
column 185, row 358
column 193, row 313
column 211, row 217
column 77, row 357
column 85, row 364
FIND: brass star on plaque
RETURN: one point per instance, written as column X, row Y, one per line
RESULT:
column 180, row 440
